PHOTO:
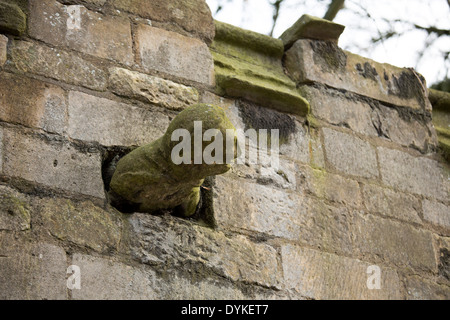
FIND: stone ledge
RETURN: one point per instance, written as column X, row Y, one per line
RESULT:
column 309, row 27
column 324, row 62
column 248, row 65
column 441, row 118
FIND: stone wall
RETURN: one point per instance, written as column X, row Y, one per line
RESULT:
column 361, row 182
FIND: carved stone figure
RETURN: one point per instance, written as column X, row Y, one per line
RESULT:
column 148, row 180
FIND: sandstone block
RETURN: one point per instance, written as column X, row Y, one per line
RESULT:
column 112, row 123
column 56, row 64
column 320, row 275
column 82, row 30
column 422, row 289
column 350, row 154
column 412, row 174
column 437, row 213
column 391, row 203
column 32, row 103
column 54, row 164
column 15, row 212
column 103, row 279
column 81, row 223
column 325, row 62
column 174, row 54
column 151, row 89
column 35, row 271
column 170, row 241
column 395, row 243
column 3, row 49
column 193, row 16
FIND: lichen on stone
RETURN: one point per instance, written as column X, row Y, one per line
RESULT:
column 147, row 179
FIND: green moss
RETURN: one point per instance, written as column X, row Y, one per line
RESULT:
column 12, row 19
column 148, row 181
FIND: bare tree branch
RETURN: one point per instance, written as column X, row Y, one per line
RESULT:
column 276, row 12
column 333, row 9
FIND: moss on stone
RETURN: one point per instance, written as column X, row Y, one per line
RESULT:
column 147, row 179
column 12, row 19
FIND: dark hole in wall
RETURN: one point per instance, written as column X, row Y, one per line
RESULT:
column 444, row 265
column 204, row 214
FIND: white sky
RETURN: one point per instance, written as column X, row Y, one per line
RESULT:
column 402, row 51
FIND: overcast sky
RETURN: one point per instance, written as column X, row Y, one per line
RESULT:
column 402, row 51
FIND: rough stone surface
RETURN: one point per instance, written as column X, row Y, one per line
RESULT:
column 350, row 154
column 15, row 212
column 332, row 187
column 183, row 289
column 31, row 271
column 32, row 103
column 396, row 243
column 12, row 19
column 249, row 65
column 422, row 289
column 412, row 174
column 319, row 275
column 3, row 49
column 81, row 223
column 309, row 27
column 340, row 109
column 391, row 203
column 263, row 209
column 324, row 62
column 193, row 16
column 152, row 90
column 174, row 54
column 56, row 64
column 112, row 123
column 1, row 150
column 52, row 163
column 437, row 213
column 103, row 279
column 167, row 241
column 81, row 30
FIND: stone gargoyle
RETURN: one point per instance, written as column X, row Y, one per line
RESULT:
column 148, row 180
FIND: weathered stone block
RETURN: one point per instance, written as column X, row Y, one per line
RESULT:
column 350, row 154
column 52, row 163
column 56, row 64
column 332, row 187
column 179, row 288
column 31, row 271
column 422, row 289
column 15, row 212
column 394, row 243
column 320, row 275
column 325, row 62
column 12, row 19
column 151, row 89
column 413, row 174
column 112, row 123
column 32, row 103
column 309, row 27
column 249, row 65
column 391, row 203
column 81, row 223
column 103, row 279
column 340, row 109
column 1, row 150
column 3, row 49
column 437, row 213
column 82, row 30
column 169, row 241
column 251, row 207
column 174, row 54
column 193, row 16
